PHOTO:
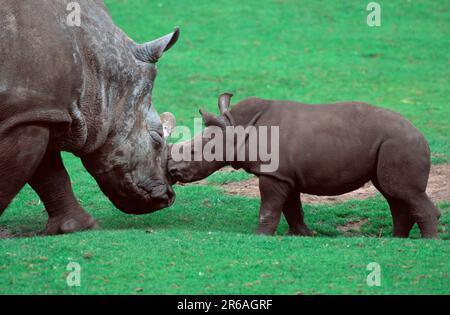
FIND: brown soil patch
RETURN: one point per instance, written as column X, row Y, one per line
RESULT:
column 352, row 226
column 4, row 232
column 438, row 189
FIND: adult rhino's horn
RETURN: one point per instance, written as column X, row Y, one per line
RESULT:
column 224, row 102
column 169, row 123
column 151, row 52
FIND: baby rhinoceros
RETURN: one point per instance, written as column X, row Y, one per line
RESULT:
column 322, row 150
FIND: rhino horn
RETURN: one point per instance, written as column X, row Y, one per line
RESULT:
column 224, row 102
column 169, row 122
column 211, row 120
column 151, row 52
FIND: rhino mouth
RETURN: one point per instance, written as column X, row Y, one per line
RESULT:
column 132, row 197
column 150, row 197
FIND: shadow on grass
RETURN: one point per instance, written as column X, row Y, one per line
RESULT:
column 207, row 209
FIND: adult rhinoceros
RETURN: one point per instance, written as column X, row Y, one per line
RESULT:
column 86, row 90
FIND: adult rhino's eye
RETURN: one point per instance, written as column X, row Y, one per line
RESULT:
column 157, row 139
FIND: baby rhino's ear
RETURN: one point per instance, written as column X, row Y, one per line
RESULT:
column 224, row 102
column 211, row 120
column 169, row 122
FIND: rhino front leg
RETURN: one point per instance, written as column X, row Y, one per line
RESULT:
column 273, row 197
column 293, row 212
column 52, row 184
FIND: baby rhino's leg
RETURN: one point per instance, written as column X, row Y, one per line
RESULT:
column 293, row 212
column 274, row 194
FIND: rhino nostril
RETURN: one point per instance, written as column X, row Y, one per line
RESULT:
column 174, row 172
column 170, row 192
column 158, row 191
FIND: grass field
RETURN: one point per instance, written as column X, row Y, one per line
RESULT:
column 309, row 51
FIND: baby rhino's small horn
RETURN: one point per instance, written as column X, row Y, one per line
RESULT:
column 224, row 102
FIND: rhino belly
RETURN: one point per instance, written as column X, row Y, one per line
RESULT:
column 336, row 167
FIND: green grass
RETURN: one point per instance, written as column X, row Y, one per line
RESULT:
column 301, row 50
column 228, row 176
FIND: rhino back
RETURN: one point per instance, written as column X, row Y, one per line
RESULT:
column 49, row 67
column 318, row 143
column 38, row 68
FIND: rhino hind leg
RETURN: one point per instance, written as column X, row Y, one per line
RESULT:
column 293, row 212
column 21, row 151
column 402, row 177
column 401, row 217
column 425, row 214
column 52, row 184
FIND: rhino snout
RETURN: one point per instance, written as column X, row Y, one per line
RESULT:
column 176, row 173
column 160, row 192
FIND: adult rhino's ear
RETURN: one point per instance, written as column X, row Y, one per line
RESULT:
column 169, row 122
column 151, row 52
column 224, row 102
column 211, row 120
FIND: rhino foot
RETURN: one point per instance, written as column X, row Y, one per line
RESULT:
column 301, row 231
column 70, row 223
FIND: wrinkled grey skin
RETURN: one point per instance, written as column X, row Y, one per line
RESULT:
column 86, row 90
column 327, row 149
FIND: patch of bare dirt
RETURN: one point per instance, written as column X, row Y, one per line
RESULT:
column 352, row 226
column 438, row 189
column 4, row 232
